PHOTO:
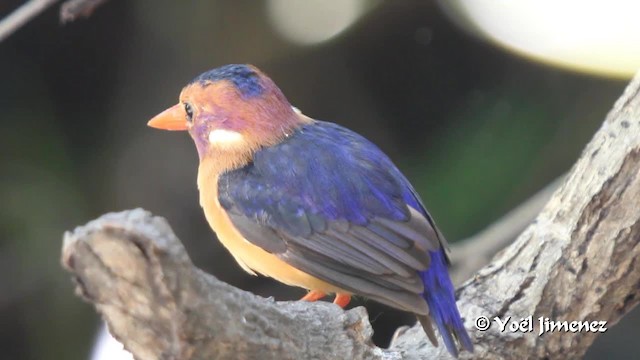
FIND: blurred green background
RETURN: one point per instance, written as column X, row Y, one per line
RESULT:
column 475, row 128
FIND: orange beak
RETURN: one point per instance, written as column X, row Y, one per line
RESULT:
column 174, row 118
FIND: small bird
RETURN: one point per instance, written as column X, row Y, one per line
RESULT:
column 311, row 203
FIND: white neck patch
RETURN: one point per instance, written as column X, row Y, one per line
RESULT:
column 223, row 137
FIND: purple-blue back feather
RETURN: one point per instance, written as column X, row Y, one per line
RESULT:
column 324, row 172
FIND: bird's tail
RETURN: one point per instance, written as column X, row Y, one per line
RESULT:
column 440, row 297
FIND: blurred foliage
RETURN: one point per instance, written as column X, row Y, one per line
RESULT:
column 41, row 198
column 500, row 122
column 475, row 129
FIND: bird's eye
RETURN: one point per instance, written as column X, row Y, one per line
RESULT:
column 189, row 110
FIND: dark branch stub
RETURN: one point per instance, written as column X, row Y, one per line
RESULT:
column 71, row 10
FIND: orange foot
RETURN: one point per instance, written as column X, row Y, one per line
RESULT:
column 313, row 295
column 342, row 300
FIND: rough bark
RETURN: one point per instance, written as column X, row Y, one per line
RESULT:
column 577, row 261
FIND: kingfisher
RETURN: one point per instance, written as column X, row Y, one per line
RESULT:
column 312, row 204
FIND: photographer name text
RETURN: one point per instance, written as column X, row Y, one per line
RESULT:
column 541, row 324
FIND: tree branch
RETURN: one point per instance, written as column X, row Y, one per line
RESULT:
column 70, row 10
column 136, row 272
column 578, row 261
column 22, row 15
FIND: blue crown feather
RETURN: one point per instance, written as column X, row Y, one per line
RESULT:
column 243, row 77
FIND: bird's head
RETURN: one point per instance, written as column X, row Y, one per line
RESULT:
column 233, row 109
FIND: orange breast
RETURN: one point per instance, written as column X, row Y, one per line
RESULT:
column 252, row 258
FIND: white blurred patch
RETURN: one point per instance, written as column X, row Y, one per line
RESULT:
column 107, row 347
column 225, row 138
column 314, row 21
column 587, row 35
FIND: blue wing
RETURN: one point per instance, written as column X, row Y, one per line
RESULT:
column 331, row 204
